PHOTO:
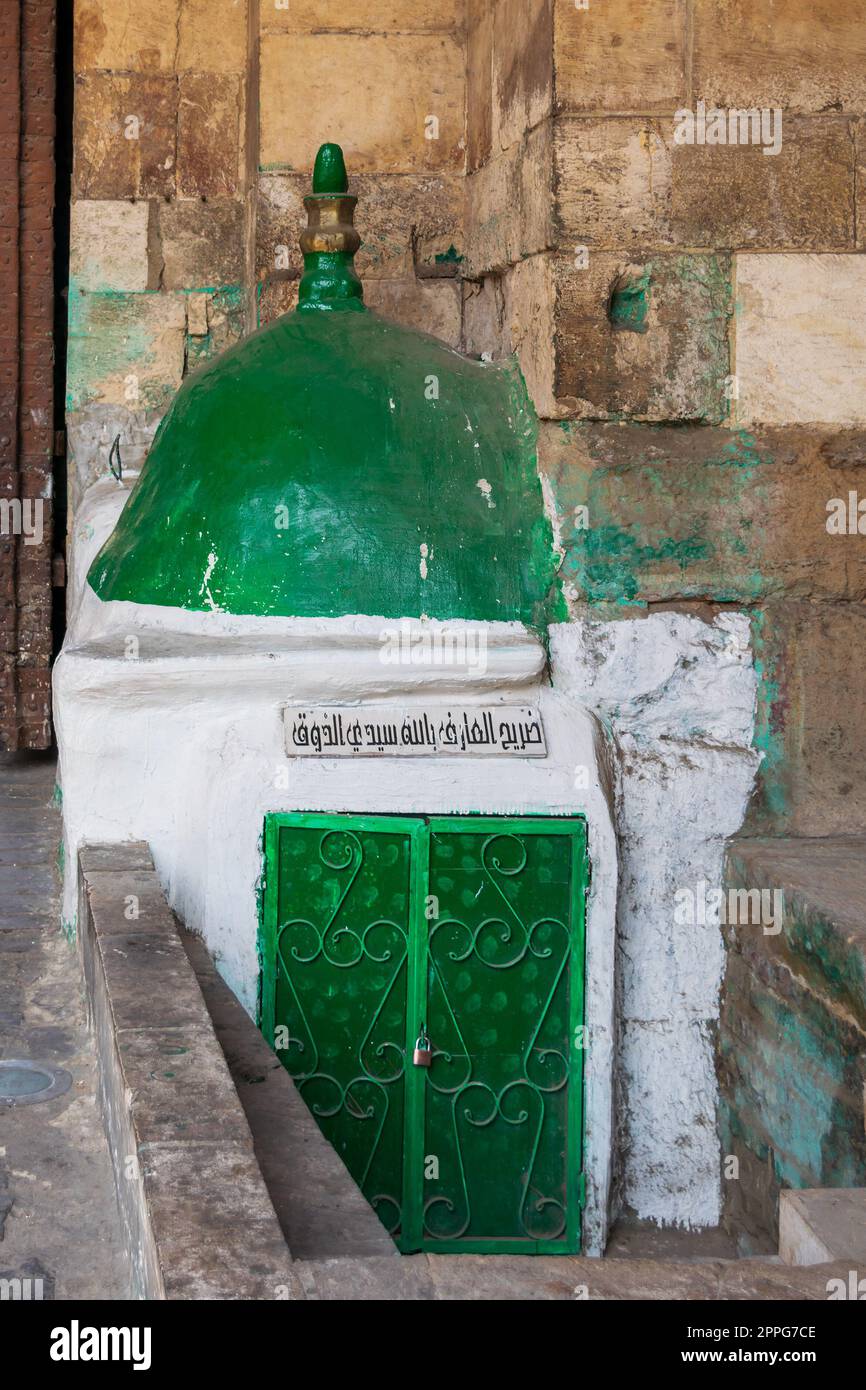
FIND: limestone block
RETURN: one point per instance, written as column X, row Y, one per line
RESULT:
column 819, row 1225
column 125, row 134
column 626, row 183
column 654, row 515
column 810, row 721
column 647, row 340
column 376, row 91
column 196, row 315
column 91, row 432
column 431, row 306
column 509, row 205
column 209, row 135
column 484, row 328
column 529, row 304
column 202, row 243
column 802, row 55
column 404, row 220
column 622, row 55
column 801, row 339
column 379, row 16
column 161, row 36
column 109, row 245
column 613, row 182
column 125, row 349
column 212, row 36
column 226, row 324
column 735, row 195
column 479, row 82
column 522, row 68
column 139, row 37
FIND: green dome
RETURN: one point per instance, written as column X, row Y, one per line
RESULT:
column 336, row 463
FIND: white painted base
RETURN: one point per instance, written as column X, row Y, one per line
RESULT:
column 170, row 730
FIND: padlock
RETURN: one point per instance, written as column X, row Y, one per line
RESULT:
column 423, row 1055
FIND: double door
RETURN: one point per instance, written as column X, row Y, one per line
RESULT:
column 422, row 982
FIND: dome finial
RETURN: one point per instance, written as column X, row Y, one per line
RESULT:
column 329, row 241
column 329, row 174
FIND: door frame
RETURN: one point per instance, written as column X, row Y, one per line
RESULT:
column 419, row 828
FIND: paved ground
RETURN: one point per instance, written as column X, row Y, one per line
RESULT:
column 58, row 1214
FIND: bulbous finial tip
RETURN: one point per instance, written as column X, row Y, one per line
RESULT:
column 329, row 173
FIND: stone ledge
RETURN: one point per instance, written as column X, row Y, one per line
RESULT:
column 792, row 1029
column 196, row 1214
column 821, row 1224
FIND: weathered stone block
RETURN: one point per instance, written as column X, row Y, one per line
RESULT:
column 109, row 245
column 529, row 301
column 90, row 433
column 212, row 36
column 479, row 83
column 196, row 315
column 793, row 1026
column 161, row 36
column 150, row 982
column 364, row 16
column 801, row 339
column 712, row 514
column 226, row 323
column 735, row 195
column 125, row 349
column 202, row 243
column 484, row 328
column 802, row 55
column 522, row 68
column 125, row 133
column 623, row 55
column 431, row 306
column 132, row 38
column 509, row 205
column 613, row 182
column 378, row 91
column 405, row 221
column 810, row 724
column 647, row 340
column 209, row 135
column 180, row 1087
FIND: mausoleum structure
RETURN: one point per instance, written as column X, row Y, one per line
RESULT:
column 307, row 662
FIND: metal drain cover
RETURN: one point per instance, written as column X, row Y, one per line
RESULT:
column 23, row 1082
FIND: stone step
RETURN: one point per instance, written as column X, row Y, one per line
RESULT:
column 320, row 1209
column 792, row 1030
column 818, row 1224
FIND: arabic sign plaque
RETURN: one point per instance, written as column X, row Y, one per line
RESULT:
column 384, row 731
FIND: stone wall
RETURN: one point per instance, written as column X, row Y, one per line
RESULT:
column 689, row 318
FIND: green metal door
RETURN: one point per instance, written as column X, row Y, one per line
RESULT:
column 471, row 928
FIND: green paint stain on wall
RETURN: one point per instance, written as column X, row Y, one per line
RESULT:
column 629, row 303
column 450, row 257
column 769, row 720
column 613, row 558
